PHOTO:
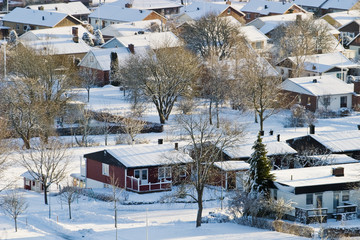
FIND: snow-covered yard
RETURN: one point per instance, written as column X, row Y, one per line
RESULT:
column 94, row 219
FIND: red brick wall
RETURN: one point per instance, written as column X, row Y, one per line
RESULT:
column 293, row 97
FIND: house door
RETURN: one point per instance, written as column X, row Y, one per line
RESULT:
column 142, row 174
column 240, row 181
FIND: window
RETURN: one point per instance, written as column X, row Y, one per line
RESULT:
column 27, row 183
column 228, row 11
column 343, row 101
column 105, row 169
column 309, row 199
column 338, row 75
column 336, row 200
column 359, row 51
column 345, row 196
column 326, row 101
column 182, row 171
column 17, row 26
column 308, row 101
column 248, row 15
column 299, row 99
column 91, row 58
column 258, row 45
column 164, row 172
column 137, row 173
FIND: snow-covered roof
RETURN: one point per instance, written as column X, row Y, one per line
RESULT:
column 345, row 141
column 128, row 28
column 119, row 13
column 148, row 155
column 153, row 40
column 59, row 46
column 269, row 23
column 339, row 4
column 332, row 159
column 324, row 85
column 315, row 176
column 102, row 58
column 197, row 10
column 252, row 34
column 324, row 62
column 70, row 8
column 265, row 7
column 232, row 165
column 34, row 17
column 309, row 3
column 51, row 33
column 344, row 17
column 147, row 4
column 28, row 175
column 245, row 150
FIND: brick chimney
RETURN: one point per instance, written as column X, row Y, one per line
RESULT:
column 338, row 172
column 131, row 48
column 228, row 2
column 75, row 33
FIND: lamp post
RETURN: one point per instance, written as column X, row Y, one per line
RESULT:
column 4, row 45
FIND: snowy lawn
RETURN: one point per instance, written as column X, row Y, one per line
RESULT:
column 94, row 219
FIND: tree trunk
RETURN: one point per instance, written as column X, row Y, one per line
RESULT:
column 45, row 194
column 210, row 113
column 88, row 95
column 15, row 219
column 69, row 203
column 26, row 143
column 256, row 120
column 261, row 117
column 217, row 115
column 200, row 208
column 162, row 118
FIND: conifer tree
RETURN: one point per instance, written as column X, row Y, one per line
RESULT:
column 99, row 39
column 259, row 175
column 87, row 39
column 114, row 69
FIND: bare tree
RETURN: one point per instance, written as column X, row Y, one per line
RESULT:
column 132, row 126
column 206, row 146
column 212, row 35
column 14, row 204
column 84, row 127
column 47, row 163
column 38, row 94
column 300, row 38
column 215, row 84
column 69, row 194
column 162, row 76
column 88, row 79
column 258, row 85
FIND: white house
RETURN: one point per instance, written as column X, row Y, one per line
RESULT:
column 319, row 192
column 319, row 92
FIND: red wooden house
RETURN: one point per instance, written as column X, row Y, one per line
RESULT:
column 30, row 183
column 140, row 168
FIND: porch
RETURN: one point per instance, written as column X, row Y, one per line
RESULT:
column 348, row 211
column 311, row 215
column 135, row 185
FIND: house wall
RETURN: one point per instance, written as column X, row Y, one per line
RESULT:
column 68, row 21
column 308, row 101
column 153, row 174
column 235, row 14
column 102, row 77
column 350, row 28
column 154, row 15
column 299, row 200
column 94, row 172
column 335, row 102
column 19, row 27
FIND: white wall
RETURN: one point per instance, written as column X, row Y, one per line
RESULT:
column 335, row 102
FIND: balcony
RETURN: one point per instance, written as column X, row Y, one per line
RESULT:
column 312, row 215
column 134, row 184
column 345, row 212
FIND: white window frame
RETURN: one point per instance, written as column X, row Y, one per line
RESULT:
column 105, row 169
column 248, row 15
column 164, row 172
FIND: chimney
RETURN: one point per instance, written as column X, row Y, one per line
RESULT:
column 131, row 48
column 176, row 146
column 271, row 132
column 160, row 141
column 41, row 8
column 75, row 33
column 314, row 80
column 312, row 129
column 56, row 8
column 357, row 87
column 228, row 2
column 266, row 7
column 338, row 172
column 128, row 5
column 43, row 18
column 278, row 137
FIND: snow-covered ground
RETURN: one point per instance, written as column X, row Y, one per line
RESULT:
column 94, row 219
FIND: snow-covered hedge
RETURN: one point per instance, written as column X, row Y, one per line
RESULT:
column 341, row 232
